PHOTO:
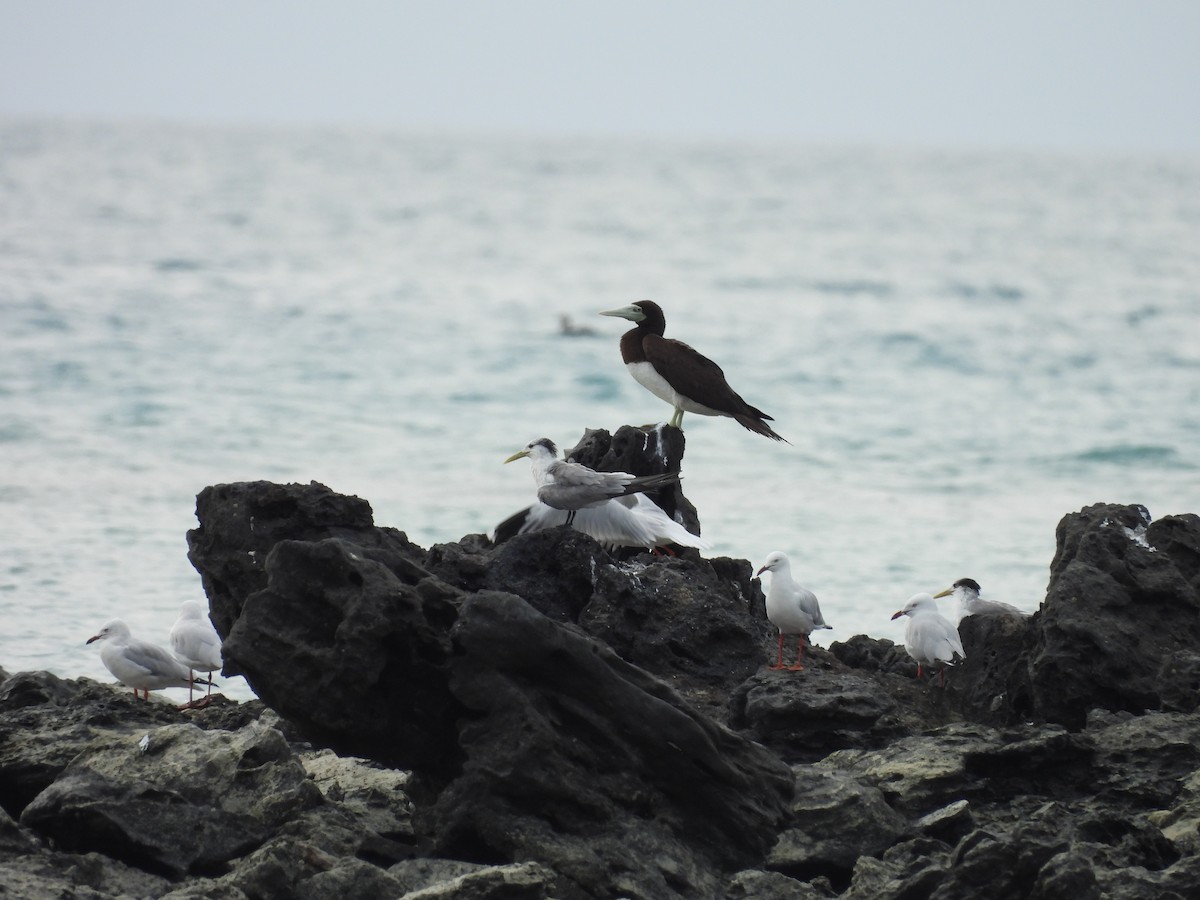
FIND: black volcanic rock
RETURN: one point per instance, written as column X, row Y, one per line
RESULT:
column 994, row 685
column 241, row 523
column 541, row 719
column 358, row 659
column 236, row 787
column 1117, row 609
column 699, row 624
column 594, row 767
column 368, row 651
column 804, row 716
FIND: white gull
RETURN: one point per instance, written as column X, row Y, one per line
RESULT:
column 929, row 637
column 791, row 608
column 196, row 644
column 139, row 664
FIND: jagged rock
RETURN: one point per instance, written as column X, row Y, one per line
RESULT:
column 206, row 889
column 593, row 767
column 1165, row 746
column 755, row 884
column 38, row 741
column 210, row 797
column 1032, row 760
column 417, row 874
column 563, row 712
column 874, row 655
column 376, row 796
column 921, row 773
column 352, row 878
column 241, row 523
column 343, row 642
column 1117, row 607
column 355, row 657
column 314, row 842
column 804, row 716
column 13, row 838
column 995, row 865
column 45, row 874
column 1067, row 874
column 555, row 571
column 338, row 632
column 46, row 721
column 1178, row 681
column 692, row 622
column 993, row 684
column 696, row 623
column 518, row 881
column 1180, row 823
column 951, row 823
column 1176, row 882
column 835, row 820
column 908, row 870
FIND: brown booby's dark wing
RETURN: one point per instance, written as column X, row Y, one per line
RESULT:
column 695, row 376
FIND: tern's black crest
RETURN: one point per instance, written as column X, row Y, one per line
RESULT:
column 969, row 583
column 548, row 444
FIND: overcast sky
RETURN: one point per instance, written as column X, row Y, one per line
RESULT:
column 1108, row 75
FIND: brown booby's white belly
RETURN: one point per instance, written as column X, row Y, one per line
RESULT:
column 647, row 376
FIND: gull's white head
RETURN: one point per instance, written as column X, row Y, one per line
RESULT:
column 113, row 628
column 191, row 609
column 538, row 451
column 917, row 604
column 773, row 563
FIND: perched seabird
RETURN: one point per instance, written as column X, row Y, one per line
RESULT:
column 791, row 608
column 930, row 638
column 573, row 486
column 631, row 521
column 674, row 372
column 966, row 592
column 196, row 644
column 140, row 664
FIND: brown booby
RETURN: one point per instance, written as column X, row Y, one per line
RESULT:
column 573, row 486
column 674, row 372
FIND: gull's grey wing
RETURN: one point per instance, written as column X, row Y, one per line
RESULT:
column 153, row 659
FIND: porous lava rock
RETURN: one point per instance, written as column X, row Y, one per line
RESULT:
column 539, row 719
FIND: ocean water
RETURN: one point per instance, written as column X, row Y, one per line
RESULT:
column 961, row 347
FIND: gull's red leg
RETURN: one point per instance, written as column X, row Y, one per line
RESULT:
column 779, row 665
column 798, row 665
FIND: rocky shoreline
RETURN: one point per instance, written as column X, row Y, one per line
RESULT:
column 541, row 718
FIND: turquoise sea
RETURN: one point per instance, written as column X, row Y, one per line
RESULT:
column 961, row 347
